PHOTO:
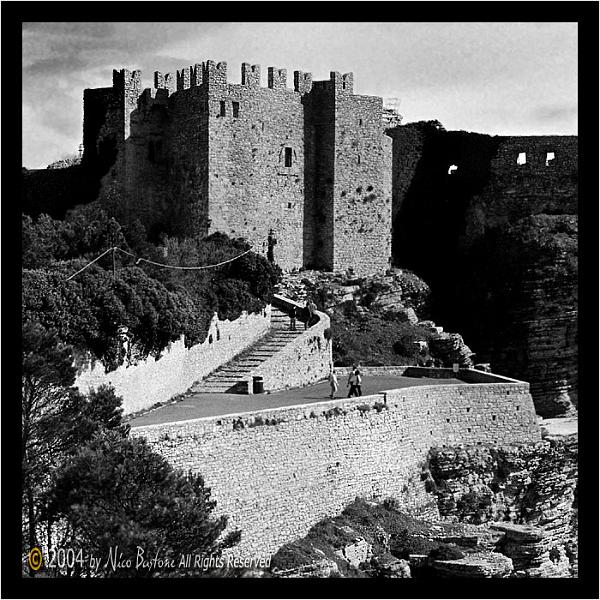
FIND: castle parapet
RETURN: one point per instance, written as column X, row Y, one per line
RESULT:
column 166, row 81
column 303, row 82
column 277, row 79
column 127, row 80
column 196, row 75
column 184, row 78
column 342, row 83
column 214, row 73
column 250, row 75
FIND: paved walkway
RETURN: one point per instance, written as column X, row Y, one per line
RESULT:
column 208, row 405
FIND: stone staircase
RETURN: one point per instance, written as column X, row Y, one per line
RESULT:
column 235, row 377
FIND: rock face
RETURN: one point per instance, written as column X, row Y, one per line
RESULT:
column 475, row 565
column 532, row 486
column 532, row 552
column 538, row 337
column 506, row 278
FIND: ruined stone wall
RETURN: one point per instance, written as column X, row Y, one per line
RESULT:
column 515, row 226
column 517, row 190
column 256, row 164
column 151, row 381
column 277, row 472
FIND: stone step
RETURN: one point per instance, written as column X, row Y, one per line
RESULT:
column 237, row 373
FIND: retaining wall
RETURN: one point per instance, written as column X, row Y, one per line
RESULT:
column 305, row 360
column 151, row 380
column 277, row 472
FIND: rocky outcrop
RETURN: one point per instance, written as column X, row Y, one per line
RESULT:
column 475, row 565
column 532, row 551
column 450, row 348
column 532, row 486
column 538, row 340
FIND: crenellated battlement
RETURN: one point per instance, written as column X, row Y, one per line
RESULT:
column 127, row 80
column 342, row 83
column 184, row 78
column 277, row 78
column 250, row 75
column 214, row 73
column 303, row 82
column 166, row 81
column 280, row 166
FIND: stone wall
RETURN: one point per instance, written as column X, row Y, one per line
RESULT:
column 362, row 193
column 303, row 174
column 256, row 166
column 151, row 381
column 277, row 472
column 305, row 360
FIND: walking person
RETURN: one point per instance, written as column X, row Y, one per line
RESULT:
column 312, row 309
column 293, row 316
column 333, row 382
column 358, row 381
column 352, row 382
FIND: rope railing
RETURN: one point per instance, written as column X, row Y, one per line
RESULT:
column 163, row 265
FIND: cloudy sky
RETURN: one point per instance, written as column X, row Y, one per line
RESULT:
column 497, row 78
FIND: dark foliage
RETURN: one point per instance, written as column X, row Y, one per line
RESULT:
column 116, row 492
column 157, row 305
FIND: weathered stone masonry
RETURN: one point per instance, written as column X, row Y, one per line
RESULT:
column 152, row 381
column 277, row 472
column 302, row 173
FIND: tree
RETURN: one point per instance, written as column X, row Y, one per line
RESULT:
column 116, row 492
column 56, row 419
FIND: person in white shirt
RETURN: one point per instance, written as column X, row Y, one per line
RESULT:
column 333, row 382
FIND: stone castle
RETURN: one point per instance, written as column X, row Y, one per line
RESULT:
column 305, row 175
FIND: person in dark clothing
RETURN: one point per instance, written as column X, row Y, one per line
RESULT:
column 358, row 382
column 293, row 317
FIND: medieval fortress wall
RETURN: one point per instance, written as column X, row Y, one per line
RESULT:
column 277, row 472
column 304, row 173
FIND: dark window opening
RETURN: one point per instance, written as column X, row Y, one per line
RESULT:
column 358, row 159
column 360, row 122
column 288, row 157
column 549, row 158
column 236, row 109
column 210, row 339
column 289, row 205
column 222, row 108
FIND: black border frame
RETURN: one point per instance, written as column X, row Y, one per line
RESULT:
column 586, row 14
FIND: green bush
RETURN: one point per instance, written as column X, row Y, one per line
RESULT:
column 156, row 304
